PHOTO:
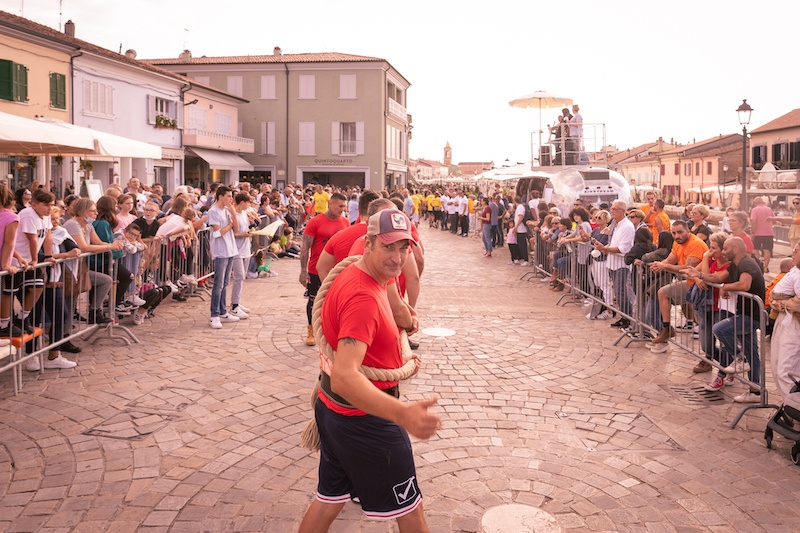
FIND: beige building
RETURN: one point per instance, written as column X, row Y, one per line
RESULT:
column 326, row 118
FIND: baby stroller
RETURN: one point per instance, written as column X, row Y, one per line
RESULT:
column 786, row 421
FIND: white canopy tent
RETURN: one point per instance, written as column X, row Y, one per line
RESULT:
column 25, row 136
column 108, row 144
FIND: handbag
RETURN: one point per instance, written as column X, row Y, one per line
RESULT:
column 699, row 299
column 76, row 283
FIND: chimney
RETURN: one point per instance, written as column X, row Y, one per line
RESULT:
column 277, row 51
column 130, row 53
column 69, row 28
column 186, row 55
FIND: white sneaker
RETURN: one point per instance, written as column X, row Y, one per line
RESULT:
column 215, row 323
column 135, row 300
column 739, row 366
column 660, row 347
column 59, row 362
column 227, row 317
column 747, row 397
column 138, row 317
column 243, row 308
column 33, row 364
column 172, row 286
column 605, row 315
column 512, row 262
column 523, row 263
column 239, row 313
column 252, row 275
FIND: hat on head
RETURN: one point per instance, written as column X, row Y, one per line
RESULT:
column 390, row 225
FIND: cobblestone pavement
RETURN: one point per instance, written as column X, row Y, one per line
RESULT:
column 195, row 429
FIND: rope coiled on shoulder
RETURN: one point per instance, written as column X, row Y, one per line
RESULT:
column 309, row 438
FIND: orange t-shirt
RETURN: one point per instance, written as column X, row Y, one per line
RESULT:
column 694, row 247
column 664, row 218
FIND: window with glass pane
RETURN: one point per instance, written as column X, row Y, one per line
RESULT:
column 347, row 138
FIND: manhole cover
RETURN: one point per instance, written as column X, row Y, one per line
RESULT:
column 696, row 395
column 438, row 332
column 606, row 432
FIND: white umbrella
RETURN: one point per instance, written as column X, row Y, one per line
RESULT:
column 19, row 135
column 540, row 100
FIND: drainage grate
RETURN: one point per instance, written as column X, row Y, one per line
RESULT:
column 695, row 395
column 616, row 431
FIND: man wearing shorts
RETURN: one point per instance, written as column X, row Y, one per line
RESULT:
column 761, row 217
column 315, row 236
column 365, row 452
column 687, row 250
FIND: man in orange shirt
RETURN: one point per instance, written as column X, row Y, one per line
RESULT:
column 687, row 250
column 649, row 213
column 660, row 220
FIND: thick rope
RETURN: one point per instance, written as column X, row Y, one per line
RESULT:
column 309, row 438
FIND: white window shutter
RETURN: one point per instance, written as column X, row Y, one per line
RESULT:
column 264, row 141
column 267, row 87
column 240, row 129
column 109, row 110
column 151, row 109
column 359, row 138
column 335, row 129
column 87, row 96
column 271, row 138
column 179, row 109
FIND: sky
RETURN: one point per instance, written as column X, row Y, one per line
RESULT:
column 643, row 70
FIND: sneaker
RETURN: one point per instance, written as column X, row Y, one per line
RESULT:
column 171, row 285
column 514, row 262
column 186, row 279
column 621, row 323
column 545, row 280
column 239, row 313
column 136, row 301
column 11, row 330
column 59, row 362
column 252, row 275
column 729, row 380
column 123, row 310
column 696, row 332
column 702, row 366
column 605, row 315
column 688, row 326
column 739, row 366
column 138, row 317
column 716, row 385
column 179, row 297
column 33, row 364
column 215, row 322
column 660, row 347
column 98, row 317
column 747, row 397
column 23, row 324
column 228, row 317
column 243, row 308
column 70, row 348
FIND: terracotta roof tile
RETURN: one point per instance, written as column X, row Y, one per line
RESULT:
column 324, row 57
column 789, row 120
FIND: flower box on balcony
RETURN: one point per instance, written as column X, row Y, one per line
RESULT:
column 164, row 122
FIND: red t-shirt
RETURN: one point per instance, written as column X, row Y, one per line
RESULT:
column 748, row 242
column 322, row 229
column 356, row 306
column 340, row 244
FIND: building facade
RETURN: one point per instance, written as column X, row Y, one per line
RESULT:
column 324, row 118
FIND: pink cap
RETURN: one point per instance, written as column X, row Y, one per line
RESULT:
column 390, row 225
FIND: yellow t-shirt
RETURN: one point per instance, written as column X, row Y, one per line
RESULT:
column 429, row 201
column 321, row 201
column 415, row 198
column 471, row 206
column 436, row 203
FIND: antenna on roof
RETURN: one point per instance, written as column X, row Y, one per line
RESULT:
column 185, row 36
column 60, row 13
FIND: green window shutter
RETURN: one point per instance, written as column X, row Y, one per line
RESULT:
column 21, row 83
column 6, row 80
column 58, row 91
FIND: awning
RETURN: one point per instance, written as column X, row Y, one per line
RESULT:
column 221, row 160
column 25, row 136
column 116, row 145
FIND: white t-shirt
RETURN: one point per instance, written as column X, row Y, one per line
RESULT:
column 173, row 223
column 519, row 213
column 222, row 246
column 243, row 243
column 534, row 204
column 463, row 206
column 30, row 224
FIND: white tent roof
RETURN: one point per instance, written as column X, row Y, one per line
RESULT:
column 25, row 136
column 108, row 144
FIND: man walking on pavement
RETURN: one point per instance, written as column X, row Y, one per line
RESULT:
column 365, row 452
column 315, row 235
column 763, row 235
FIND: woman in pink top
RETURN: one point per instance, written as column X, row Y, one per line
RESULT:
column 124, row 215
column 9, row 222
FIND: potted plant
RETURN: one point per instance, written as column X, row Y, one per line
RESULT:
column 31, row 160
column 164, row 122
column 86, row 167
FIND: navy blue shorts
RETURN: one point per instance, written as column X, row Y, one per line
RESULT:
column 369, row 459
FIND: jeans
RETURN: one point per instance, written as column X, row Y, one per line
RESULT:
column 222, row 273
column 739, row 330
column 238, row 270
column 707, row 320
column 486, row 237
column 622, row 289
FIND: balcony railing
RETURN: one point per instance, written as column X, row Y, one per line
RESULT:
column 210, row 139
column 397, row 110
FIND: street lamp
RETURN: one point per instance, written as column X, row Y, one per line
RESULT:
column 744, row 111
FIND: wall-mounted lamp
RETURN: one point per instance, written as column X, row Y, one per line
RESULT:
column 192, row 102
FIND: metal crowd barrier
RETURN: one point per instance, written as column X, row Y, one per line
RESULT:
column 633, row 295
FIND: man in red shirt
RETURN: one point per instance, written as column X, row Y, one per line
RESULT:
column 365, row 451
column 315, row 235
column 338, row 247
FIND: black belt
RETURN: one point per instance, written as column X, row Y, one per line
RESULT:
column 325, row 387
